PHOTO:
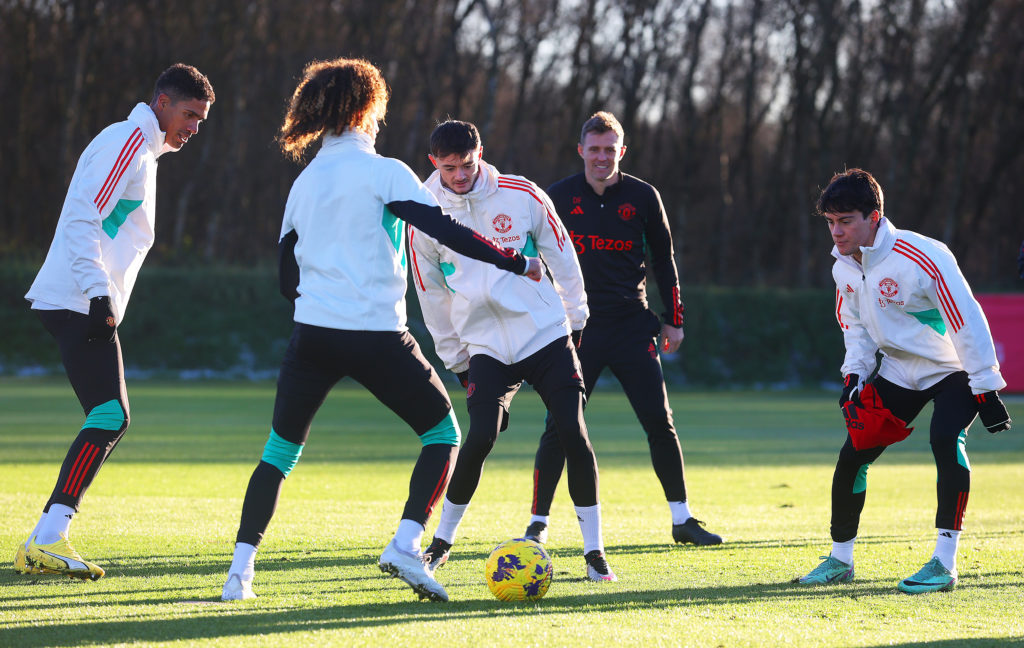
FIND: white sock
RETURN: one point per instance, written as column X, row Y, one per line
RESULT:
column 590, row 525
column 244, row 561
column 945, row 548
column 39, row 525
column 680, row 512
column 409, row 536
column 56, row 522
column 843, row 551
column 539, row 518
column 451, row 516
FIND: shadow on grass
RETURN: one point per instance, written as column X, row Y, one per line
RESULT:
column 219, row 620
column 208, row 618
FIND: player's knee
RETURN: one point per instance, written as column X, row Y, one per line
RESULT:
column 446, row 432
column 109, row 417
column 281, row 453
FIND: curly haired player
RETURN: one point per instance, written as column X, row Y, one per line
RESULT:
column 343, row 264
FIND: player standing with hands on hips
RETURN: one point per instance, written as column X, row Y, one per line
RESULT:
column 343, row 264
column 496, row 331
column 105, row 230
column 615, row 220
column 902, row 294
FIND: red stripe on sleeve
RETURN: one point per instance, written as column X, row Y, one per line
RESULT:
column 108, row 186
column 946, row 300
column 415, row 263
column 839, row 310
column 124, row 167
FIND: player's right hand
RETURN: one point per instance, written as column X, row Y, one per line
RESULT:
column 102, row 324
column 534, row 269
column 851, row 385
column 992, row 412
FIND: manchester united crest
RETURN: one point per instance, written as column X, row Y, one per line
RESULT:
column 888, row 287
column 502, row 223
column 627, row 211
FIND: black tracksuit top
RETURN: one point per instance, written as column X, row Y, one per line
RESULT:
column 612, row 234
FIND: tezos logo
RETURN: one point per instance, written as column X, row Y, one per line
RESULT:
column 627, row 211
column 888, row 287
column 502, row 223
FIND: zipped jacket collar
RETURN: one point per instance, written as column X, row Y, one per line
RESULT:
column 885, row 239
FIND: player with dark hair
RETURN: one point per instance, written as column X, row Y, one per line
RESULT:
column 342, row 257
column 902, row 294
column 105, row 230
column 496, row 331
column 616, row 220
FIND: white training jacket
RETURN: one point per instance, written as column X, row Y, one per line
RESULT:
column 351, row 248
column 471, row 307
column 908, row 299
column 107, row 225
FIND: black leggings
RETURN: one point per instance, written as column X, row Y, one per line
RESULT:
column 554, row 373
column 629, row 349
column 96, row 372
column 392, row 367
column 954, row 411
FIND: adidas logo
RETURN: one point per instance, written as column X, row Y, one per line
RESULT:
column 577, row 210
column 946, row 534
column 849, row 289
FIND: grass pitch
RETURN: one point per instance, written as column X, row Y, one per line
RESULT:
column 162, row 515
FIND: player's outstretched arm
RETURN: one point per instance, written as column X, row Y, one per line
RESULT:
column 452, row 234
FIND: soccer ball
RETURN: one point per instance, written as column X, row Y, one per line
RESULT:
column 519, row 570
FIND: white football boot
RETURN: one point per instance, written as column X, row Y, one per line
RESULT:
column 412, row 569
column 236, row 589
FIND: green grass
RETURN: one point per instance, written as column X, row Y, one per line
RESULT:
column 162, row 515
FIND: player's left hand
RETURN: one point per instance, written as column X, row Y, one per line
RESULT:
column 671, row 338
column 993, row 413
column 534, row 268
column 102, row 324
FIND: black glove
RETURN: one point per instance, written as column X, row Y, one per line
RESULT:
column 851, row 385
column 102, row 324
column 993, row 413
column 577, row 338
column 463, row 378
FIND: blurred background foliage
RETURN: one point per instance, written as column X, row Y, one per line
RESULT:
column 739, row 111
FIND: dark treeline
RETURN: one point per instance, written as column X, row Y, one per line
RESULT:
column 737, row 110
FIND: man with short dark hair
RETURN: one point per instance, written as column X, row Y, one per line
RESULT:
column 496, row 332
column 616, row 220
column 104, row 232
column 902, row 294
